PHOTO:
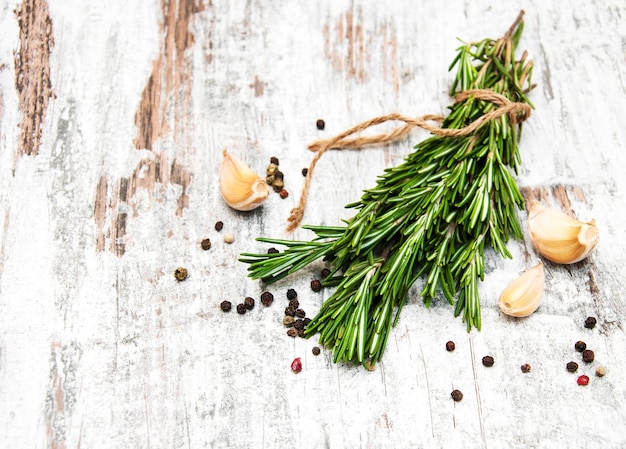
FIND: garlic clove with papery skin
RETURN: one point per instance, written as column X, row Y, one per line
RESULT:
column 559, row 237
column 241, row 188
column 524, row 294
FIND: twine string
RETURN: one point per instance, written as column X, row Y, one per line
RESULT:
column 517, row 112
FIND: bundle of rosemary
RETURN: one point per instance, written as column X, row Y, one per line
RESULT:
column 431, row 216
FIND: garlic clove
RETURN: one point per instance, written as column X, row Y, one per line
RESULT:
column 241, row 188
column 524, row 294
column 559, row 237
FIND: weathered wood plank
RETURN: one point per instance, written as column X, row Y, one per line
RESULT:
column 113, row 116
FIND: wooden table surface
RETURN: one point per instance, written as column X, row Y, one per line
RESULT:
column 113, row 117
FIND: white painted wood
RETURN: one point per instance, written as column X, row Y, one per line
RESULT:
column 101, row 347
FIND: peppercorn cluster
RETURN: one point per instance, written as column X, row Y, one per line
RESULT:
column 276, row 178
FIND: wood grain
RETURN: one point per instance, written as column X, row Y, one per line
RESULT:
column 113, row 116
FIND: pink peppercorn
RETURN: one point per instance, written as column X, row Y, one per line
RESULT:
column 583, row 380
column 296, row 365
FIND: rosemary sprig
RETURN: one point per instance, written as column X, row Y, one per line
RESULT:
column 431, row 216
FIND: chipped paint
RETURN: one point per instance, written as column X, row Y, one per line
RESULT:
column 32, row 72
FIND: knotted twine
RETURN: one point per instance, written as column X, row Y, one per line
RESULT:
column 517, row 112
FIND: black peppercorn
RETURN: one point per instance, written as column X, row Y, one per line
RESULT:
column 292, row 332
column 316, row 350
column 572, row 367
column 300, row 313
column 218, row 226
column 279, row 175
column 305, row 171
column 205, row 244
column 301, row 333
column 291, row 294
column 267, row 298
column 588, row 356
column 181, row 274
column 294, row 303
column 456, row 395
column 274, row 160
column 590, row 322
column 580, row 346
column 488, row 360
column 450, row 346
column 278, row 185
column 525, row 368
column 316, row 285
column 272, row 251
column 225, row 306
column 290, row 311
column 325, row 273
column 298, row 324
column 320, row 124
column 241, row 308
column 306, row 321
column 249, row 302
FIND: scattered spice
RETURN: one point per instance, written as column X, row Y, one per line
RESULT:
column 456, row 395
column 321, row 124
column 283, row 193
column 588, row 356
column 279, row 175
column 226, row 306
column 292, row 332
column 600, row 371
column 300, row 313
column 488, row 361
column 316, row 285
column 290, row 311
column 288, row 321
column 181, row 274
column 267, row 298
column 278, row 185
column 583, row 380
column 572, row 367
column 205, row 244
column 316, row 350
column 301, row 333
column 274, row 160
column 271, row 169
column 450, row 346
column 294, row 303
column 272, row 251
column 270, row 179
column 306, row 321
column 325, row 273
column 525, row 368
column 298, row 324
column 580, row 346
column 296, row 365
column 305, row 171
column 249, row 302
column 241, row 308
column 229, row 238
column 590, row 322
column 291, row 294
column 219, row 225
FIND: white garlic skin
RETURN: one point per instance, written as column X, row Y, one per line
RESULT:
column 559, row 237
column 524, row 294
column 241, row 188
